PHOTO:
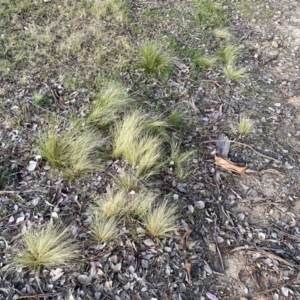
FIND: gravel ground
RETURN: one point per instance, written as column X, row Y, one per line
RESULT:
column 240, row 236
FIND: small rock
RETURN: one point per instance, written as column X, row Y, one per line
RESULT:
column 285, row 291
column 181, row 189
column 175, row 196
column 149, row 243
column 274, row 44
column 32, row 165
column 145, row 263
column 212, row 247
column 261, row 236
column 84, row 279
column 200, row 204
column 219, row 240
column 208, row 269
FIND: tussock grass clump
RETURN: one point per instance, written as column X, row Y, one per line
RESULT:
column 180, row 161
column 71, row 152
column 222, row 33
column 140, row 204
column 205, row 61
column 46, row 246
column 108, row 105
column 114, row 205
column 103, row 230
column 155, row 60
column 133, row 141
column 161, row 220
column 37, row 98
column 234, row 73
column 176, row 119
column 230, row 54
column 127, row 181
column 245, row 126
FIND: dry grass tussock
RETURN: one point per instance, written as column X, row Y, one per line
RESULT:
column 160, row 222
column 180, row 161
column 245, row 126
column 128, row 181
column 113, row 205
column 109, row 104
column 235, row 73
column 155, row 60
column 72, row 152
column 140, row 204
column 103, row 230
column 230, row 54
column 45, row 246
column 136, row 144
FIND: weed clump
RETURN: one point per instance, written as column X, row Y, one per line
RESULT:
column 110, row 10
column 180, row 161
column 210, row 14
column 176, row 119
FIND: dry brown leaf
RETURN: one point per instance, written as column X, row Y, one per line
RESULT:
column 228, row 165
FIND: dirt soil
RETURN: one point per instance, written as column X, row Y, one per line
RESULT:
column 245, row 243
